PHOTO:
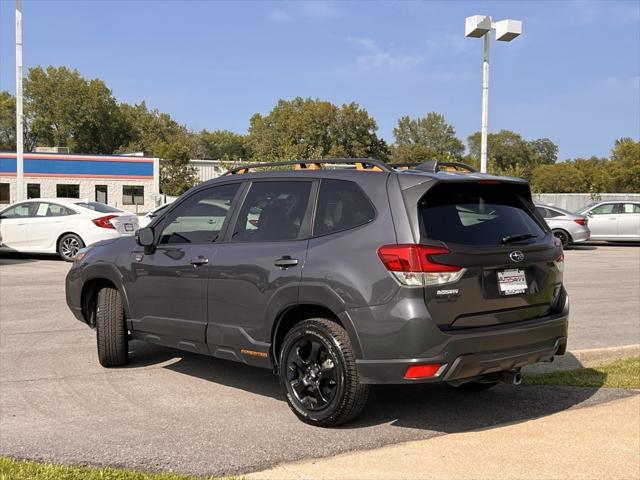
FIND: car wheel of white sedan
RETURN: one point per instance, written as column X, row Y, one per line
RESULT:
column 69, row 245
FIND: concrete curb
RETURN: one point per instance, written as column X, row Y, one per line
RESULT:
column 585, row 358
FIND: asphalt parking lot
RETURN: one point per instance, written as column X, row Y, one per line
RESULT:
column 170, row 410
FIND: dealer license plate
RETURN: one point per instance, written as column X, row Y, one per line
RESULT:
column 512, row 282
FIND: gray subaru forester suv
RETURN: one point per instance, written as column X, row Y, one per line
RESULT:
column 336, row 279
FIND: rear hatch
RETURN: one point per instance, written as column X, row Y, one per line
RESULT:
column 510, row 265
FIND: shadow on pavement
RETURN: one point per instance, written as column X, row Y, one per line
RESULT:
column 14, row 258
column 435, row 407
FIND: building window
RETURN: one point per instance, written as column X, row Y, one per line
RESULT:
column 132, row 195
column 101, row 193
column 67, row 191
column 4, row 193
column 33, row 190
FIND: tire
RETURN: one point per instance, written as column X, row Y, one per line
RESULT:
column 563, row 236
column 475, row 386
column 111, row 329
column 318, row 374
column 68, row 246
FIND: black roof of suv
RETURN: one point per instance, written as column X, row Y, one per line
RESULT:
column 337, row 278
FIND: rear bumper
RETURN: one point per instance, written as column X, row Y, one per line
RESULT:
column 476, row 352
column 581, row 235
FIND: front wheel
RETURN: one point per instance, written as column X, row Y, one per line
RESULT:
column 111, row 331
column 69, row 245
column 318, row 374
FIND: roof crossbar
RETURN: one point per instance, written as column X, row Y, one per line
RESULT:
column 434, row 166
column 366, row 164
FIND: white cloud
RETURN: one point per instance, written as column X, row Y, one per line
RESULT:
column 365, row 43
column 387, row 62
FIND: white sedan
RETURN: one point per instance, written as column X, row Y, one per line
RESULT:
column 61, row 225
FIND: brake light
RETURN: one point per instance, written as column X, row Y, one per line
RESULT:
column 104, row 222
column 414, row 265
column 581, row 221
column 422, row 371
column 559, row 260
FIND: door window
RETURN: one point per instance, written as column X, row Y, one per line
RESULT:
column 630, row 208
column 272, row 211
column 341, row 205
column 200, row 217
column 605, row 209
column 22, row 210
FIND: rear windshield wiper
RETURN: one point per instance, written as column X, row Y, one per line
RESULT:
column 517, row 237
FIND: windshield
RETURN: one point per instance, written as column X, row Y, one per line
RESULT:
column 99, row 207
column 477, row 214
column 585, row 208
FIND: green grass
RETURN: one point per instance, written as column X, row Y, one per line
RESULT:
column 619, row 374
column 11, row 469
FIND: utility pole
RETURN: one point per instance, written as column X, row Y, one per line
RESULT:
column 20, row 194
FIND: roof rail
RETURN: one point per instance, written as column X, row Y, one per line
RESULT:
column 366, row 164
column 434, row 166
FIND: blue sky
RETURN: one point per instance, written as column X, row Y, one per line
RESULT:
column 573, row 76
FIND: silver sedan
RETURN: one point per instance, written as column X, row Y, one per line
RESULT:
column 566, row 226
column 617, row 221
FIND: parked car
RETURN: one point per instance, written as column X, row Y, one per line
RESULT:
column 347, row 278
column 617, row 221
column 62, row 225
column 146, row 219
column 568, row 227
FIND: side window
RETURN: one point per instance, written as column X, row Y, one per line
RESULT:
column 553, row 213
column 341, row 205
column 544, row 213
column 272, row 211
column 630, row 208
column 55, row 210
column 605, row 209
column 200, row 217
column 22, row 210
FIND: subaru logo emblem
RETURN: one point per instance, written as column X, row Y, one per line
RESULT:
column 516, row 256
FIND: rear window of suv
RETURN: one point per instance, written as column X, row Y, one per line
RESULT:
column 476, row 214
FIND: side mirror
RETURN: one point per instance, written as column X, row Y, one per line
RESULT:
column 145, row 237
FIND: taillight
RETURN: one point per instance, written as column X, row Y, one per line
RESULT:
column 104, row 222
column 581, row 221
column 414, row 265
column 422, row 371
column 559, row 260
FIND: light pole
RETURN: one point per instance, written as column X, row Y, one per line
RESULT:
column 478, row 26
column 19, row 116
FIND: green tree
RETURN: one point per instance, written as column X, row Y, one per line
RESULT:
column 64, row 109
column 625, row 166
column 314, row 129
column 220, row 145
column 562, row 177
column 7, row 121
column 176, row 175
column 509, row 152
column 428, row 138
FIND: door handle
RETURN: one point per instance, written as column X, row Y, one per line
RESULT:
column 199, row 260
column 285, row 262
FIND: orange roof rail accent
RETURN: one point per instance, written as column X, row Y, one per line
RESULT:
column 363, row 166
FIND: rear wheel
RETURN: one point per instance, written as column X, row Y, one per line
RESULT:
column 69, row 245
column 111, row 329
column 563, row 236
column 318, row 374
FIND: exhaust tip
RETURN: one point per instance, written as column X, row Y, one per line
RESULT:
column 517, row 379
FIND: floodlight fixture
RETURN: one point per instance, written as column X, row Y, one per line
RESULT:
column 480, row 26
